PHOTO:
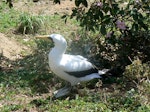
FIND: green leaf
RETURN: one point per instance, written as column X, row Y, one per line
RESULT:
column 140, row 16
column 141, row 23
column 121, row 12
column 106, row 7
column 134, row 14
column 107, row 19
column 103, row 30
column 135, row 27
column 100, row 13
column 115, row 9
column 135, row 17
column 85, row 3
column 78, row 2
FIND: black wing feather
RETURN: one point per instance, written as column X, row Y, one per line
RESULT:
column 83, row 73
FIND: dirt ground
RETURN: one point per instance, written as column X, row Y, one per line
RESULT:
column 10, row 48
column 45, row 7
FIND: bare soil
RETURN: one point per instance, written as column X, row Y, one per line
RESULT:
column 12, row 49
column 45, row 7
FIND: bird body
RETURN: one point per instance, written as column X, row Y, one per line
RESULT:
column 72, row 68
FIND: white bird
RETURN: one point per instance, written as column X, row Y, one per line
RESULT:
column 72, row 68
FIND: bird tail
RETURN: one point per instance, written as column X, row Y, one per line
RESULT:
column 116, row 72
column 103, row 71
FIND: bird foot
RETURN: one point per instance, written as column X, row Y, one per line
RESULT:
column 62, row 92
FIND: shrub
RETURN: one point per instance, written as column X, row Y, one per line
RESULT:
column 137, row 71
column 114, row 16
column 124, row 25
column 139, row 74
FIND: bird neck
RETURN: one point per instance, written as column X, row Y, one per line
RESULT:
column 58, row 51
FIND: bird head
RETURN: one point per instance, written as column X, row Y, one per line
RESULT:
column 57, row 39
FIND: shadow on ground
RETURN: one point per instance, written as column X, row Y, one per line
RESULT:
column 32, row 71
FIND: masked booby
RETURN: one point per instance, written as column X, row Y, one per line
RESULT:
column 71, row 68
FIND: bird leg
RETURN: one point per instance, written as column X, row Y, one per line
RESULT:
column 63, row 91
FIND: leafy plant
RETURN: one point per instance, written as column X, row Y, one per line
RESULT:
column 29, row 24
column 125, row 25
column 139, row 74
column 137, row 70
column 11, row 108
column 113, row 16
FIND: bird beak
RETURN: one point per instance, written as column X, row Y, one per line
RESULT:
column 45, row 37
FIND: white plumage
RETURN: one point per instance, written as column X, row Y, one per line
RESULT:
column 72, row 68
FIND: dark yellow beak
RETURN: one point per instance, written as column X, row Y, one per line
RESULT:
column 45, row 37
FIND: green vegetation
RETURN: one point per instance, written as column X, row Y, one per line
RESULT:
column 8, row 18
column 29, row 24
column 26, row 84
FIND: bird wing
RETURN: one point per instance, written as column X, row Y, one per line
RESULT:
column 80, row 57
column 76, row 66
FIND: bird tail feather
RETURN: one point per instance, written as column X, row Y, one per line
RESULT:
column 116, row 72
column 103, row 71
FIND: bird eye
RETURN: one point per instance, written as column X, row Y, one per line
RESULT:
column 51, row 39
